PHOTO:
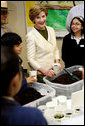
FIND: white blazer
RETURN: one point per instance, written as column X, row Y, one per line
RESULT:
column 41, row 52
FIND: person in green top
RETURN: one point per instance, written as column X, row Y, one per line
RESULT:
column 42, row 49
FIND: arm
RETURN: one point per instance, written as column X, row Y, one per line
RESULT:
column 31, row 52
column 49, row 73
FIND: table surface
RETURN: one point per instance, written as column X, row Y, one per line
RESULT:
column 77, row 119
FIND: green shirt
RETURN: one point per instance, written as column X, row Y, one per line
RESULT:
column 44, row 33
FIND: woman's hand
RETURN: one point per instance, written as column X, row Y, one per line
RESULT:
column 31, row 79
column 58, row 62
column 60, row 67
column 48, row 73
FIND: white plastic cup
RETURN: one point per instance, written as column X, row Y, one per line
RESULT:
column 33, row 72
column 56, row 67
column 62, row 102
column 51, row 105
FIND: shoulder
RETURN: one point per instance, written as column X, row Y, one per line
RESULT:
column 28, row 111
column 28, row 114
column 49, row 28
column 21, row 115
column 51, row 31
column 67, row 37
column 30, row 32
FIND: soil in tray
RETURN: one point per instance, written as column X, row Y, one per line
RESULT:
column 29, row 95
column 65, row 79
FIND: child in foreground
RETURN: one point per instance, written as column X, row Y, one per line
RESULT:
column 11, row 112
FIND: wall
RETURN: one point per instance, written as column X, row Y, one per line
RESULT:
column 17, row 23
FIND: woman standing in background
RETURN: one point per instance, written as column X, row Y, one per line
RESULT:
column 42, row 50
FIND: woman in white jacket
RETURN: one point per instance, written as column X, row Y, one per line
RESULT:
column 42, row 50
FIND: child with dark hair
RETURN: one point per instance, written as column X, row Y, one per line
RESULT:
column 73, row 43
column 12, row 113
column 14, row 41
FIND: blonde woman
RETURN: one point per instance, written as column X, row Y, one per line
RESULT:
column 42, row 49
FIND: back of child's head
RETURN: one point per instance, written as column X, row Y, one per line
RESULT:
column 9, row 68
column 10, row 39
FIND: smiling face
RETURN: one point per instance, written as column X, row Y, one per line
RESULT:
column 76, row 26
column 40, row 21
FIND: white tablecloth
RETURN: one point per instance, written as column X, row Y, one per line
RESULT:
column 78, row 119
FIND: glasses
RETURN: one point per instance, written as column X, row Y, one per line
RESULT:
column 76, row 24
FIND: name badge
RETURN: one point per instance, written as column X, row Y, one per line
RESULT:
column 81, row 45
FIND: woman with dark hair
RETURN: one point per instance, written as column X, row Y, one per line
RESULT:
column 73, row 43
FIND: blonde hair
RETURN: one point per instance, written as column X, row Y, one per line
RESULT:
column 35, row 11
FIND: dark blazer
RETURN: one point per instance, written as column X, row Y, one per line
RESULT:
column 14, row 114
column 72, row 54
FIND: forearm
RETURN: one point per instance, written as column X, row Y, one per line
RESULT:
column 43, row 71
column 34, row 64
column 49, row 73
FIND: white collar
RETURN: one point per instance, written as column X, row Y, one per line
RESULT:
column 73, row 37
column 77, row 39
